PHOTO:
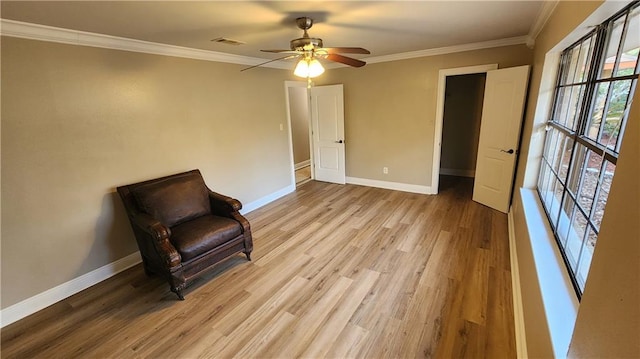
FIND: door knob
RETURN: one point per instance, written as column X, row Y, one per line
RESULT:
column 339, row 141
column 510, row 151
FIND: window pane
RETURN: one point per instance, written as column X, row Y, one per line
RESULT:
column 549, row 183
column 629, row 59
column 589, row 181
column 576, row 62
column 564, row 224
column 575, row 172
column 565, row 158
column 543, row 181
column 611, row 51
column 582, row 69
column 551, row 145
column 570, row 61
column 557, row 155
column 573, row 64
column 597, row 113
column 540, row 182
column 603, row 194
column 574, row 238
column 562, row 105
column 568, row 106
column 555, row 200
column 585, row 258
column 574, row 110
column 615, row 112
column 628, row 62
column 543, row 185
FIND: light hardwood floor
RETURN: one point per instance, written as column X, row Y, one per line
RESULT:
column 337, row 271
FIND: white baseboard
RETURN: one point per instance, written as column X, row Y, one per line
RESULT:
column 40, row 301
column 518, row 313
column 302, row 164
column 405, row 187
column 267, row 199
column 457, row 172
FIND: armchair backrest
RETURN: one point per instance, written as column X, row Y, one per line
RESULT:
column 171, row 200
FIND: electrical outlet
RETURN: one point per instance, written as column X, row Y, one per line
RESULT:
column 385, row 170
column 281, row 127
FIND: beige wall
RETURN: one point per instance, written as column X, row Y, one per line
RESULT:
column 79, row 121
column 461, row 124
column 390, row 111
column 567, row 16
column 299, row 112
column 608, row 320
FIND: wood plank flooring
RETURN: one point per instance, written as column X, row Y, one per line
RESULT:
column 338, row 272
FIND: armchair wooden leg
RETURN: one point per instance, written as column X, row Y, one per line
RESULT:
column 248, row 254
column 148, row 271
column 178, row 293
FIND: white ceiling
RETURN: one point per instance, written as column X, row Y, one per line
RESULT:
column 383, row 27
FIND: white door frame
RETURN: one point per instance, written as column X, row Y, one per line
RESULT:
column 437, row 143
column 287, row 85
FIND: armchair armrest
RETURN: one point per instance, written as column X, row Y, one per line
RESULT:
column 222, row 205
column 158, row 236
column 225, row 206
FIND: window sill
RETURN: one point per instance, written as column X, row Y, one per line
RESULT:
column 558, row 296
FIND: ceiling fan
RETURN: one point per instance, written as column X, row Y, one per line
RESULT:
column 309, row 50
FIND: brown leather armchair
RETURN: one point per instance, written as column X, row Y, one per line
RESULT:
column 183, row 228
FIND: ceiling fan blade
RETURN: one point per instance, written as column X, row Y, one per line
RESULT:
column 346, row 50
column 281, row 51
column 345, row 60
column 266, row 62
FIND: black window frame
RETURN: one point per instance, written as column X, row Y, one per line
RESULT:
column 578, row 143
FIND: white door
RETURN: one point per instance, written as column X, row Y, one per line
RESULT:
column 327, row 119
column 502, row 111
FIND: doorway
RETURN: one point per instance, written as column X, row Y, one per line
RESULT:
column 462, row 116
column 299, row 124
column 319, row 113
column 502, row 110
column 440, row 114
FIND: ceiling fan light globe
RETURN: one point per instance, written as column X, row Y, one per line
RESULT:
column 315, row 68
column 302, row 69
column 308, row 68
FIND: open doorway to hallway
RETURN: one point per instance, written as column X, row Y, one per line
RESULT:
column 300, row 122
column 464, row 95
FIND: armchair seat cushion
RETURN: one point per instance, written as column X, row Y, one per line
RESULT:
column 202, row 234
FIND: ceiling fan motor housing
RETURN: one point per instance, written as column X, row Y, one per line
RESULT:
column 304, row 23
column 306, row 43
column 308, row 49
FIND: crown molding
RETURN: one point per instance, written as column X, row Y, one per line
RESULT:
column 31, row 31
column 74, row 37
column 543, row 16
column 449, row 49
